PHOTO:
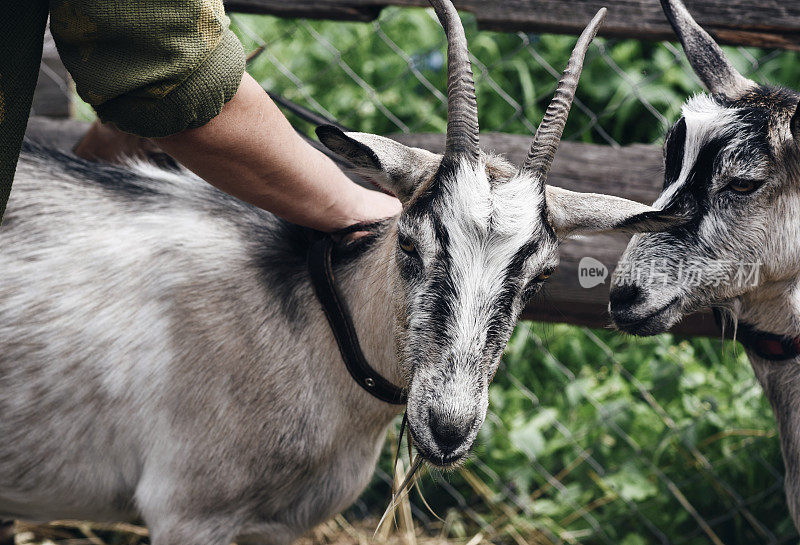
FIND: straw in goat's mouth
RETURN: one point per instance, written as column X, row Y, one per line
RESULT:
column 401, row 493
column 411, row 478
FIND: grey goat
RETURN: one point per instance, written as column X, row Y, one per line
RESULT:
column 733, row 174
column 162, row 354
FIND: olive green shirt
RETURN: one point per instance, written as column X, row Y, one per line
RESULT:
column 152, row 67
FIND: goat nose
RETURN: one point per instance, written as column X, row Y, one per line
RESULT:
column 625, row 295
column 448, row 435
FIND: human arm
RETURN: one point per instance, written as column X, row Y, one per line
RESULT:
column 252, row 152
column 148, row 70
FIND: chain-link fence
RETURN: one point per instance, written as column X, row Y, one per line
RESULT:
column 388, row 76
column 592, row 437
column 595, row 439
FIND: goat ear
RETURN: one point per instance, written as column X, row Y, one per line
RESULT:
column 391, row 165
column 571, row 213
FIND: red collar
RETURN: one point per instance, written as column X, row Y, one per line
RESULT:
column 768, row 346
column 773, row 347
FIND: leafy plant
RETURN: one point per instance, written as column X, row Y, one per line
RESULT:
column 593, row 437
column 389, row 76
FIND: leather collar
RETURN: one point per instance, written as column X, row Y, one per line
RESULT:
column 768, row 346
column 321, row 270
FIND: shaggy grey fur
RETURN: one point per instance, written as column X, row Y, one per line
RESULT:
column 733, row 172
column 163, row 356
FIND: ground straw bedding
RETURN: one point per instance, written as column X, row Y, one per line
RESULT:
column 334, row 532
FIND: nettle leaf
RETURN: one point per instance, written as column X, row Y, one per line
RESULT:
column 631, row 484
column 529, row 437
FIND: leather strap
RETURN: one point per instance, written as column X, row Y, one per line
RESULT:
column 321, row 270
column 768, row 346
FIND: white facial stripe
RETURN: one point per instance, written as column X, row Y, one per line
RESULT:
column 516, row 208
column 486, row 230
column 705, row 120
column 469, row 199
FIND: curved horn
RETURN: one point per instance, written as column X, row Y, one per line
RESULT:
column 706, row 57
column 462, row 105
column 545, row 142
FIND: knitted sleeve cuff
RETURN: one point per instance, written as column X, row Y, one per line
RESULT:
column 193, row 103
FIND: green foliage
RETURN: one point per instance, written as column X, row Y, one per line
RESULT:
column 641, row 424
column 605, row 438
column 389, row 76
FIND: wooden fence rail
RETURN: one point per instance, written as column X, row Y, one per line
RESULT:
column 628, row 171
column 633, row 172
column 763, row 23
column 52, row 96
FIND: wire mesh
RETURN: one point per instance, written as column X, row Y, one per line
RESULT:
column 388, row 76
column 589, row 441
column 593, row 453
column 591, row 437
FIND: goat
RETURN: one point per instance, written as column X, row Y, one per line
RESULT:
column 732, row 171
column 163, row 355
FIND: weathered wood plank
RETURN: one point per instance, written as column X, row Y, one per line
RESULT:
column 632, row 172
column 629, row 171
column 337, row 11
column 52, row 96
column 763, row 23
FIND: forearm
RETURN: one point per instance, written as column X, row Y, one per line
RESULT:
column 154, row 70
column 252, row 152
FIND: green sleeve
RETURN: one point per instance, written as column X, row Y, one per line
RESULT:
column 20, row 54
column 151, row 67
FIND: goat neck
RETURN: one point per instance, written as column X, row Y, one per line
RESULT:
column 366, row 285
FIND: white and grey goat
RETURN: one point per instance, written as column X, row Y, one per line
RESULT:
column 732, row 170
column 162, row 354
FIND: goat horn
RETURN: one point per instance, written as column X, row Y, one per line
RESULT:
column 462, row 105
column 706, row 57
column 548, row 135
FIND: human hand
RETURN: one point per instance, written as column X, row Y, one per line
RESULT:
column 377, row 205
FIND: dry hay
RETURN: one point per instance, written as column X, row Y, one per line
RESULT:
column 337, row 531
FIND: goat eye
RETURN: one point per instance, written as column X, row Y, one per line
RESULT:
column 544, row 275
column 743, row 186
column 407, row 245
